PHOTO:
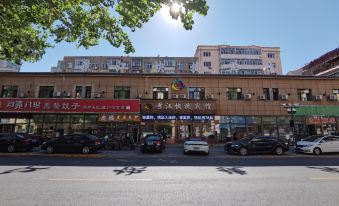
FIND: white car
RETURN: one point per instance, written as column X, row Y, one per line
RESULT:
column 195, row 144
column 318, row 144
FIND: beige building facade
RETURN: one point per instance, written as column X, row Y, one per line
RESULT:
column 239, row 60
column 183, row 105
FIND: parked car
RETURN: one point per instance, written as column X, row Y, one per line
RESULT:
column 196, row 144
column 152, row 142
column 36, row 139
column 318, row 144
column 83, row 143
column 255, row 145
column 12, row 142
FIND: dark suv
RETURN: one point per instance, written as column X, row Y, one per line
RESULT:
column 255, row 145
column 73, row 143
column 12, row 142
column 152, row 142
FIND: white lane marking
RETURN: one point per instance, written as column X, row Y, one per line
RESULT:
column 324, row 178
column 99, row 180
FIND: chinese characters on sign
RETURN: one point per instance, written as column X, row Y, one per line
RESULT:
column 179, row 117
column 118, row 118
column 69, row 105
column 185, row 106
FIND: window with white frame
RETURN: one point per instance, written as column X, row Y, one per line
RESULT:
column 271, row 55
column 207, row 64
column 206, row 54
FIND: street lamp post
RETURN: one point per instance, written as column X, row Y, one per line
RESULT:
column 291, row 109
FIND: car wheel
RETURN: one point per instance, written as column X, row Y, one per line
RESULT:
column 317, row 151
column 85, row 150
column 279, row 151
column 243, row 151
column 50, row 149
column 11, row 148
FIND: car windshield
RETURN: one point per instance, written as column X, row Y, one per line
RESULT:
column 153, row 137
column 314, row 138
column 195, row 139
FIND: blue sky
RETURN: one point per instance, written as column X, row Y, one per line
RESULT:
column 303, row 30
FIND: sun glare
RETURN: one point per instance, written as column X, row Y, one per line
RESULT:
column 167, row 17
column 175, row 7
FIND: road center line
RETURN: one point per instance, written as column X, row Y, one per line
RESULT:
column 99, row 180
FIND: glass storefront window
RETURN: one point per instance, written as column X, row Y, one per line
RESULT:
column 50, row 118
column 196, row 93
column 64, row 118
column 234, row 93
column 46, row 91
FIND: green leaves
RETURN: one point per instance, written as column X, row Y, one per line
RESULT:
column 27, row 27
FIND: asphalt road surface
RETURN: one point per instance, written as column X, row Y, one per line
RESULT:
column 169, row 181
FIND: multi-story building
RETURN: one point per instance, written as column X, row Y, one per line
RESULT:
column 183, row 105
column 223, row 59
column 7, row 66
column 239, row 60
column 126, row 64
column 325, row 65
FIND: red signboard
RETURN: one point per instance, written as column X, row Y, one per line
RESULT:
column 69, row 105
column 319, row 120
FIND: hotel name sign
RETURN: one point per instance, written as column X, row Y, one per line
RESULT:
column 178, row 106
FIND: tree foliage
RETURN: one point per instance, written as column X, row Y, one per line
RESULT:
column 28, row 26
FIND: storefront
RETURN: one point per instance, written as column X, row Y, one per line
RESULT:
column 180, row 118
column 55, row 117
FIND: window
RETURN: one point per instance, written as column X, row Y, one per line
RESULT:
column 122, row 92
column 181, row 66
column 234, row 93
column 271, row 55
column 207, row 64
column 149, row 66
column 304, row 94
column 8, row 91
column 275, row 94
column 160, row 93
column 206, row 54
column 83, row 91
column 169, row 63
column 136, row 63
column 266, row 92
column 46, row 91
column 243, row 51
column 196, row 93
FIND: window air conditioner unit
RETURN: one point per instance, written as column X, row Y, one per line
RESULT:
column 333, row 97
column 182, row 96
column 210, row 96
column 174, row 96
column 284, row 97
column 68, row 95
column 318, row 97
column 98, row 96
column 58, row 94
column 262, row 97
column 21, row 95
column 247, row 96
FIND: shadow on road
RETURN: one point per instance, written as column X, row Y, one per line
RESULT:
column 24, row 170
column 130, row 170
column 326, row 169
column 232, row 170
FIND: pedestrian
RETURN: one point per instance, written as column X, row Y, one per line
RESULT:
column 235, row 136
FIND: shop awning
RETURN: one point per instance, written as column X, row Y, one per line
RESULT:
column 317, row 111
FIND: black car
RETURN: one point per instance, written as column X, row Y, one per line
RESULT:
column 12, row 142
column 255, row 145
column 152, row 142
column 74, row 143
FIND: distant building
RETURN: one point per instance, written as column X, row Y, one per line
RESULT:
column 126, row 64
column 222, row 59
column 298, row 72
column 239, row 60
column 7, row 66
column 325, row 65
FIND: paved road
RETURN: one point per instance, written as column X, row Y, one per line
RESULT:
column 169, row 181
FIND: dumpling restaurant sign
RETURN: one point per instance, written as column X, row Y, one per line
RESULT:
column 69, row 105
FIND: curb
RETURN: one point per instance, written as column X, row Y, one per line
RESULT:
column 141, row 156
